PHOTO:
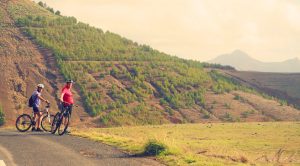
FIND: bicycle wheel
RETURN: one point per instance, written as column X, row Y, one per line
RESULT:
column 55, row 123
column 23, row 123
column 47, row 122
column 64, row 124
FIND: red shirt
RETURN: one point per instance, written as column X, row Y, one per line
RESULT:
column 67, row 95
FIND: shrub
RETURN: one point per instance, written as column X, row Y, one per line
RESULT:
column 50, row 9
column 206, row 116
column 283, row 102
column 2, row 120
column 170, row 111
column 227, row 106
column 102, row 75
column 42, row 4
column 163, row 101
column 154, row 148
column 228, row 117
column 247, row 113
column 95, row 86
column 237, row 97
column 57, row 12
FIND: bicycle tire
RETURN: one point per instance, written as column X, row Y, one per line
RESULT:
column 23, row 120
column 55, row 123
column 63, row 127
column 47, row 123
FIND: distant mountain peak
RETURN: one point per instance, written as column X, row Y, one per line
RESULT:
column 242, row 61
column 239, row 52
column 294, row 59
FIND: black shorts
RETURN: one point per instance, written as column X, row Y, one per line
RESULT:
column 68, row 107
column 36, row 109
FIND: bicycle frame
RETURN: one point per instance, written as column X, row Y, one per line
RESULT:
column 45, row 111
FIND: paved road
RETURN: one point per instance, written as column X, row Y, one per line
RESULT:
column 45, row 149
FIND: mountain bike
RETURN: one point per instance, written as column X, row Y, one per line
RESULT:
column 24, row 122
column 61, row 121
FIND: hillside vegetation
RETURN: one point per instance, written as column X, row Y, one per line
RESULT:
column 125, row 83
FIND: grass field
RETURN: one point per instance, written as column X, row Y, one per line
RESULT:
column 210, row 144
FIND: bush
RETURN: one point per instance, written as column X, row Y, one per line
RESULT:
column 154, row 148
column 206, row 116
column 57, row 12
column 227, row 106
column 2, row 120
column 283, row 102
column 237, row 97
column 228, row 117
column 42, row 4
column 95, row 86
column 247, row 113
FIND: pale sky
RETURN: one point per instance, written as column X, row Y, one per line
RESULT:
column 268, row 30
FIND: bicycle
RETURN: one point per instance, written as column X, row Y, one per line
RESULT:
column 61, row 121
column 24, row 122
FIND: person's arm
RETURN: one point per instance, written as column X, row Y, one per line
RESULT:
column 62, row 96
column 41, row 98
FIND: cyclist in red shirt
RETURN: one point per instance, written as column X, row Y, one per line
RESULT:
column 67, row 97
column 66, row 94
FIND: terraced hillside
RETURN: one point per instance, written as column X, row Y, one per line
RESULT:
column 124, row 83
column 23, row 65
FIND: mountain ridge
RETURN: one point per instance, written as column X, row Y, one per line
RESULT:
column 242, row 61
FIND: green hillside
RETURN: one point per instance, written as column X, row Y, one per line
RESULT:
column 121, row 81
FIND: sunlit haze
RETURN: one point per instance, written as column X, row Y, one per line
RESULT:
column 268, row 30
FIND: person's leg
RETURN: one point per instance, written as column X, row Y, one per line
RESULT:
column 39, row 121
column 65, row 120
column 38, row 118
column 70, row 112
column 34, row 119
column 35, row 112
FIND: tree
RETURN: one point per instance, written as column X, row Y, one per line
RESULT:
column 57, row 12
column 42, row 4
column 2, row 120
column 50, row 9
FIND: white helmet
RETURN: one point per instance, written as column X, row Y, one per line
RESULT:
column 41, row 86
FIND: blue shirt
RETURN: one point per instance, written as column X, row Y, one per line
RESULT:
column 37, row 101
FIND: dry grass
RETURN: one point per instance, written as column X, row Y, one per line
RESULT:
column 210, row 144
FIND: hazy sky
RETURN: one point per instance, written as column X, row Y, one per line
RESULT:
column 268, row 30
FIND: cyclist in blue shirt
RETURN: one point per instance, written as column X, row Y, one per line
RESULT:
column 36, row 105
